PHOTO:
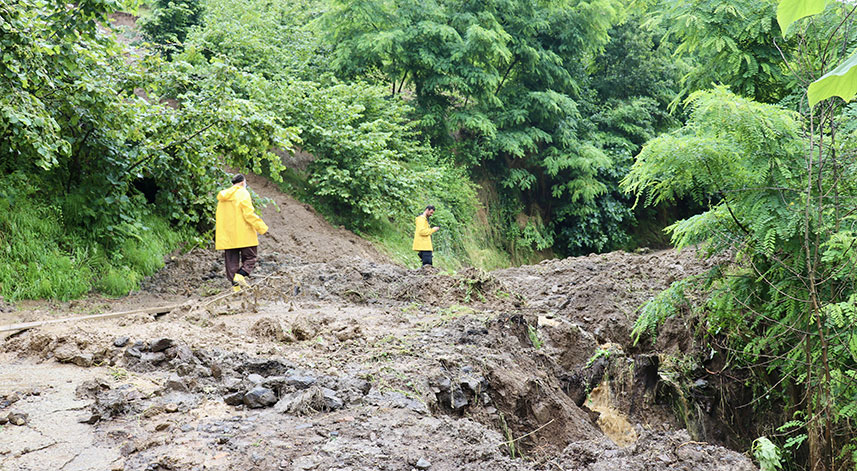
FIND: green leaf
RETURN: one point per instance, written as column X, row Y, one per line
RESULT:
column 841, row 82
column 789, row 11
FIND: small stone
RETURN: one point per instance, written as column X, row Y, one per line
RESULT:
column 153, row 411
column 128, row 448
column 184, row 353
column 171, row 407
column 161, row 344
column 185, row 369
column 331, row 401
column 17, row 418
column 90, row 418
column 186, row 428
column 459, row 400
column 156, row 357
column 256, row 379
column 216, row 371
column 234, row 399
column 423, row 464
column 121, row 342
column 260, row 397
column 175, row 383
column 3, row 420
column 162, row 426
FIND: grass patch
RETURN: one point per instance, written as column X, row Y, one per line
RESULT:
column 43, row 257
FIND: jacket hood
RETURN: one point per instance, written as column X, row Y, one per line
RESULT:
column 228, row 194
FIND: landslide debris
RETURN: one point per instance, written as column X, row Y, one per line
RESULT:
column 353, row 363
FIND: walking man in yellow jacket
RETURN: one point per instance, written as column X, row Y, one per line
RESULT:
column 237, row 226
column 422, row 235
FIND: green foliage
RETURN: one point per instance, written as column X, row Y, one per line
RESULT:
column 666, row 304
column 170, row 22
column 85, row 125
column 787, row 304
column 533, row 334
column 767, row 454
column 789, row 11
column 733, row 44
column 489, row 87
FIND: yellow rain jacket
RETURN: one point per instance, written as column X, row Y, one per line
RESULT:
column 236, row 221
column 422, row 234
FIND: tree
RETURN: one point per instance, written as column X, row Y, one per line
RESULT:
column 498, row 83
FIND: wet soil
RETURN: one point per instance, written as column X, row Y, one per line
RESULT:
column 338, row 359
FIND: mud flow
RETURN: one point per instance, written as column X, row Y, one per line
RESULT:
column 337, row 359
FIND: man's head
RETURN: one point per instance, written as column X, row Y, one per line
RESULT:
column 238, row 179
column 429, row 210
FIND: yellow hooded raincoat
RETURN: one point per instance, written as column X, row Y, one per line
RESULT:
column 422, row 234
column 237, row 224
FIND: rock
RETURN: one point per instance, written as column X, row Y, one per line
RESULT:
column 89, row 389
column 185, row 369
column 471, row 383
column 260, row 397
column 90, row 418
column 171, row 407
column 161, row 344
column 184, row 353
column 162, row 426
column 331, row 401
column 459, row 399
column 300, row 382
column 10, row 399
column 441, row 384
column 255, row 379
column 133, row 352
column 234, row 399
column 154, row 358
column 175, row 383
column 65, row 352
column 121, row 342
column 128, row 448
column 153, row 411
column 423, row 463
column 216, row 371
column 17, row 418
column 186, row 428
column 305, row 463
column 232, row 384
column 4, row 420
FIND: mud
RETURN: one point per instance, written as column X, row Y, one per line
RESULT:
column 338, row 359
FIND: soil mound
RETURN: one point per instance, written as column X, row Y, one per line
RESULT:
column 297, row 235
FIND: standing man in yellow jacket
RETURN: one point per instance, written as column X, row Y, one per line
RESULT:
column 237, row 226
column 422, row 235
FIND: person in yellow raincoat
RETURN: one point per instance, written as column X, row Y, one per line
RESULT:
column 422, row 235
column 236, row 229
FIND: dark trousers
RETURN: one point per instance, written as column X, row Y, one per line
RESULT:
column 239, row 261
column 425, row 256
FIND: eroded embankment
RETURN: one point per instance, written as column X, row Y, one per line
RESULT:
column 359, row 365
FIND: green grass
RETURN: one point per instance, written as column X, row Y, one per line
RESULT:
column 41, row 257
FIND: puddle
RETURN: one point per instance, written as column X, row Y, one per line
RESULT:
column 613, row 423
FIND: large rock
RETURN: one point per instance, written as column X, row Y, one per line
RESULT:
column 259, row 397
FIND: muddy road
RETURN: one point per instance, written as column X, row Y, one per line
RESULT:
column 355, row 363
